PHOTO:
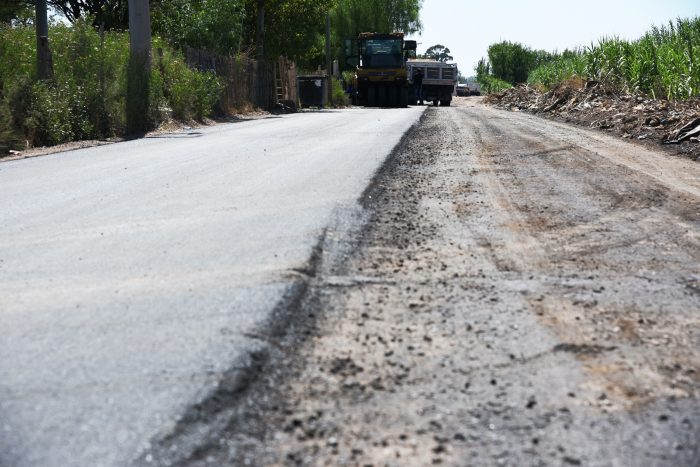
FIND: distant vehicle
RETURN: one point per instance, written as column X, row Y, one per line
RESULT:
column 463, row 90
column 468, row 89
column 439, row 81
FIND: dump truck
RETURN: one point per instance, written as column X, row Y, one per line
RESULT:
column 381, row 75
column 439, row 81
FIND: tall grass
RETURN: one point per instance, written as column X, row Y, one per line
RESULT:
column 664, row 63
column 86, row 99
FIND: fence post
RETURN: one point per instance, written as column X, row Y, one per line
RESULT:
column 329, row 62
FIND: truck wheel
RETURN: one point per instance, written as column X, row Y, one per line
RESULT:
column 435, row 103
column 404, row 97
column 393, row 97
column 383, row 96
column 371, row 96
column 445, row 103
column 398, row 97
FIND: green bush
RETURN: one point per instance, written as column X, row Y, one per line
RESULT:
column 338, row 97
column 8, row 135
column 487, row 81
column 207, row 88
column 48, row 117
column 86, row 99
column 190, row 94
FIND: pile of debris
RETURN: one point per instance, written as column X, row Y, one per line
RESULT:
column 598, row 106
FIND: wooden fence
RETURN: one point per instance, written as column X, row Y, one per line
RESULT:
column 248, row 83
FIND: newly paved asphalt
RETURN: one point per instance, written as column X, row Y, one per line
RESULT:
column 130, row 274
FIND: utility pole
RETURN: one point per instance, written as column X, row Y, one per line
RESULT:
column 260, row 31
column 329, row 61
column 139, row 77
column 43, row 53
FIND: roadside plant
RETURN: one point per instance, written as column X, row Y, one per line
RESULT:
column 8, row 135
column 489, row 84
column 338, row 97
column 190, row 94
column 87, row 97
column 664, row 63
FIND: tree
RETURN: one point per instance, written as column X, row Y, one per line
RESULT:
column 351, row 17
column 111, row 14
column 293, row 28
column 512, row 62
column 214, row 25
column 483, row 69
column 16, row 11
column 439, row 52
column 260, row 31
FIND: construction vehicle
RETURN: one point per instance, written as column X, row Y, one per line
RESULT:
column 381, row 76
column 439, row 81
column 463, row 90
column 468, row 89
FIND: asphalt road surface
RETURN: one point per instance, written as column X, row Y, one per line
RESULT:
column 522, row 292
column 137, row 279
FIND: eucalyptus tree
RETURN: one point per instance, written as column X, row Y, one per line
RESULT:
column 439, row 52
column 351, row 17
column 293, row 28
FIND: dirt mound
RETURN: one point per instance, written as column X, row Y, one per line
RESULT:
column 674, row 124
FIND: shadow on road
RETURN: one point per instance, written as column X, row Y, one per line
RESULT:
column 194, row 134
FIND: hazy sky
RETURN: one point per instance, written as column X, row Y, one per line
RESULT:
column 468, row 27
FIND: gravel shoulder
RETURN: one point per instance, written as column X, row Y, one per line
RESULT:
column 522, row 292
column 658, row 124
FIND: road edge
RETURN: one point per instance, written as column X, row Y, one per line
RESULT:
column 289, row 326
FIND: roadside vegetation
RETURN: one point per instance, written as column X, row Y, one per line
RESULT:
column 663, row 64
column 86, row 97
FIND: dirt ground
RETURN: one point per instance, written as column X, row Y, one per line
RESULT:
column 523, row 292
column 672, row 126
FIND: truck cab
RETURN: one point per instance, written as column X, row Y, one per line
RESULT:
column 380, row 78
